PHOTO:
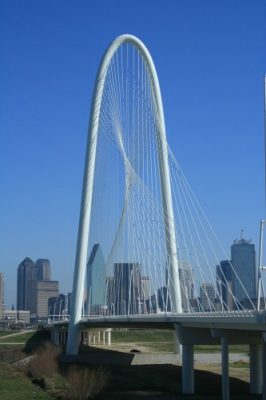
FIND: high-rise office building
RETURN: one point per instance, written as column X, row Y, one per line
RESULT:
column 96, row 281
column 127, row 288
column 163, row 302
column 26, row 286
column 244, row 277
column 186, row 284
column 207, row 297
column 1, row 294
column 34, row 287
column 110, row 298
column 43, row 267
column 68, row 302
column 44, row 291
column 146, row 289
column 224, row 284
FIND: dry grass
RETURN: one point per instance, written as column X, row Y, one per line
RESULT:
column 78, row 384
column 44, row 364
column 85, row 384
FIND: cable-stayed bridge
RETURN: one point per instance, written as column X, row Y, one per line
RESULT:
column 147, row 255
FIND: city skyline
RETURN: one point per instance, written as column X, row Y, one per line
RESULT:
column 212, row 87
column 127, row 291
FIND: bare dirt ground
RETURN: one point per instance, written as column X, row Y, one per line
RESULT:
column 157, row 376
column 154, row 382
column 144, row 354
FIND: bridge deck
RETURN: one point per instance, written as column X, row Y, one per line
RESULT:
column 238, row 320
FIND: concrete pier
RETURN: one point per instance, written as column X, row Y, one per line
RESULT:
column 188, row 369
column 255, row 354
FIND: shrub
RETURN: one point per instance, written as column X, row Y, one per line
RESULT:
column 86, row 384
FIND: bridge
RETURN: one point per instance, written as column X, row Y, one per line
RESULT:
column 147, row 255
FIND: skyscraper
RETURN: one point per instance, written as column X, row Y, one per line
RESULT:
column 110, row 297
column 224, row 284
column 43, row 267
column 127, row 288
column 207, row 297
column 44, row 291
column 186, row 284
column 26, row 286
column 146, row 287
column 96, row 280
column 34, row 287
column 163, row 301
column 244, row 280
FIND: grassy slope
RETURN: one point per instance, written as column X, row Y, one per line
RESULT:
column 5, row 333
column 15, row 386
column 138, row 335
column 18, row 338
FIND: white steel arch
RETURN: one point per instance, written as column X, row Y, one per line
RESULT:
column 86, row 202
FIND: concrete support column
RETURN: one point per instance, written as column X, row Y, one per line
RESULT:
column 85, row 340
column 103, row 337
column 178, row 347
column 99, row 337
column 255, row 351
column 56, row 336
column 225, row 369
column 187, row 369
column 109, row 337
column 52, row 335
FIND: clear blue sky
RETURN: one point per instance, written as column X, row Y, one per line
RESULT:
column 210, row 57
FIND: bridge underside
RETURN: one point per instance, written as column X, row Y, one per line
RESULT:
column 207, row 329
